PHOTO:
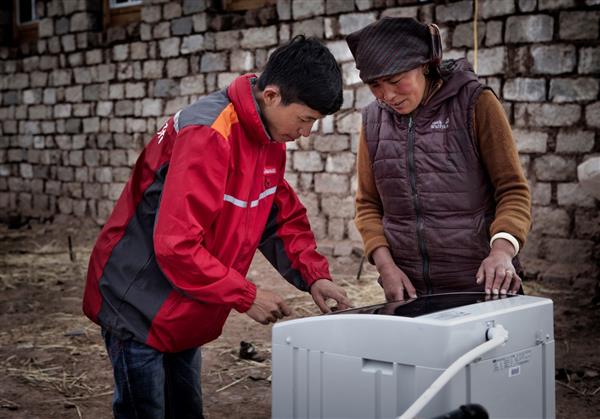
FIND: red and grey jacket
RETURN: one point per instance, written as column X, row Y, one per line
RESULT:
column 205, row 193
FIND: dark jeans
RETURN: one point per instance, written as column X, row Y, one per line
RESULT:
column 154, row 385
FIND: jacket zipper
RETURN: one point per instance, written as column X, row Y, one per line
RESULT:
column 415, row 197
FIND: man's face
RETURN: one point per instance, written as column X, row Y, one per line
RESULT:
column 286, row 122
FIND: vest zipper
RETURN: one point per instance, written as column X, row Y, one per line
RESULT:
column 415, row 197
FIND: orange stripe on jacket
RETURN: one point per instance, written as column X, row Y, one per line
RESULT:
column 225, row 120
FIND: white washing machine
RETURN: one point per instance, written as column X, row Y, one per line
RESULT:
column 374, row 362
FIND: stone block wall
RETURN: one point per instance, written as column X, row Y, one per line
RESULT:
column 77, row 106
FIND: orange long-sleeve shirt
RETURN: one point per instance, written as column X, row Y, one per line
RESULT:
column 500, row 158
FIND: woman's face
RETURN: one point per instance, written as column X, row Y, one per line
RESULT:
column 403, row 92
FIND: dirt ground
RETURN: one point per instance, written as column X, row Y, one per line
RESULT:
column 53, row 363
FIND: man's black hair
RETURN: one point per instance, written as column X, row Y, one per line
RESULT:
column 305, row 72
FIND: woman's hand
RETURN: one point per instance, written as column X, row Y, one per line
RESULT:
column 498, row 271
column 395, row 283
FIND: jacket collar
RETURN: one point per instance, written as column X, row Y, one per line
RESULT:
column 247, row 109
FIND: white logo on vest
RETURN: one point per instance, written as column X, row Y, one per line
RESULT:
column 440, row 125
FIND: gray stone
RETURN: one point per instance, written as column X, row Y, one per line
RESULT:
column 192, row 85
column 161, row 30
column 153, row 69
column 312, row 27
column 259, row 37
column 91, row 92
column 331, row 143
column 459, row 11
column 284, row 9
column 120, row 52
column 307, row 161
column 463, row 35
column 348, row 96
column 59, row 78
column 117, row 91
column 82, row 22
column 74, row 94
column 573, row 90
column 177, row 67
column 241, row 61
column 490, row 61
column 199, row 22
column 152, row 107
column 340, row 51
column 354, row 21
column 525, row 90
column 549, row 221
column 586, row 223
column 555, row 4
column 302, row 9
column 82, row 75
column 45, row 28
column 211, row 61
column 568, row 250
column 139, row 50
column 589, row 60
column 91, row 125
column 169, row 47
column 578, row 25
column 181, row 26
column 337, row 206
column 135, row 90
column 338, row 6
column 340, row 163
column 192, row 44
column 492, row 8
column 73, row 126
column 123, row 107
column 592, row 114
column 572, row 194
column 331, row 183
column 350, row 74
column 228, row 40
column 171, row 10
column 349, row 123
column 193, row 6
column 151, row 14
column 527, row 5
column 553, row 59
column 330, row 26
column 541, row 193
column 546, row 115
column 62, row 26
column 557, row 168
column 531, row 141
column 402, row 12
column 62, row 110
column 531, row 28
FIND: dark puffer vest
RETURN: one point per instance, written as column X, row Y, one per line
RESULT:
column 438, row 201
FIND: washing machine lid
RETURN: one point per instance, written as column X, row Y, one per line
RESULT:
column 426, row 304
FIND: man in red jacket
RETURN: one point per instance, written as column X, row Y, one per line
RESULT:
column 205, row 194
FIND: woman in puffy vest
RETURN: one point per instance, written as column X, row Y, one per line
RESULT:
column 442, row 202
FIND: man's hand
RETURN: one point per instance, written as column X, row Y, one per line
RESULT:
column 498, row 271
column 323, row 289
column 395, row 283
column 268, row 307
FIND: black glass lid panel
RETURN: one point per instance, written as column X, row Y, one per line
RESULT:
column 426, row 304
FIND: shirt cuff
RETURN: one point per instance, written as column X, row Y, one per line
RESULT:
column 506, row 236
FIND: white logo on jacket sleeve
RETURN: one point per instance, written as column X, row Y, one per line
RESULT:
column 161, row 133
column 440, row 125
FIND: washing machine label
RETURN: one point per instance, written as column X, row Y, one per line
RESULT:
column 512, row 363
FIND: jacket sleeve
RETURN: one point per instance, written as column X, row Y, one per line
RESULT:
column 501, row 159
column 192, row 198
column 369, row 209
column 289, row 244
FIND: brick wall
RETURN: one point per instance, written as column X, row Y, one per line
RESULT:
column 77, row 105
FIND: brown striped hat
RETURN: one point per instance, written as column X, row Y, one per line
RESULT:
column 393, row 45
